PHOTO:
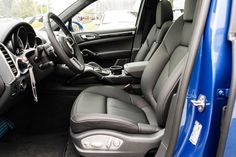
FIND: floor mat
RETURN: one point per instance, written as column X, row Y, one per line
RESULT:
column 47, row 145
column 70, row 150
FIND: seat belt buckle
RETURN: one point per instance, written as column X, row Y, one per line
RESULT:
column 128, row 88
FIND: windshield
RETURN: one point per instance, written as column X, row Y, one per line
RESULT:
column 32, row 11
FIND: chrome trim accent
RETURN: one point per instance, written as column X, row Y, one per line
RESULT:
column 117, row 33
column 76, row 63
column 17, row 65
column 200, row 103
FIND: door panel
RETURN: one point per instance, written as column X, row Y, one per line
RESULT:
column 105, row 29
column 106, row 48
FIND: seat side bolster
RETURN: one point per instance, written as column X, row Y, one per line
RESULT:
column 83, row 122
column 147, row 129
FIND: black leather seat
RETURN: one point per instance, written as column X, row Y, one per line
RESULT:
column 108, row 107
column 112, row 109
column 164, row 17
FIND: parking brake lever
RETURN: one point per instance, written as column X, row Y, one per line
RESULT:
column 33, row 83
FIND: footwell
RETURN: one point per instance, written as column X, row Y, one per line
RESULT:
column 44, row 145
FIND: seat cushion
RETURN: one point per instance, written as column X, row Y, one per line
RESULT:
column 106, row 107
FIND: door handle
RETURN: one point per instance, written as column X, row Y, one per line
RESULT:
column 88, row 36
column 87, row 51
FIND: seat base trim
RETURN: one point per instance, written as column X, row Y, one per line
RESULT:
column 131, row 144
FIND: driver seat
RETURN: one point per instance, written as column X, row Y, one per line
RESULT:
column 106, row 120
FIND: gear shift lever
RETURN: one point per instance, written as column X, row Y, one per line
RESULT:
column 97, row 68
column 95, row 65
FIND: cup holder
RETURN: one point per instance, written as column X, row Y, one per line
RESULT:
column 116, row 70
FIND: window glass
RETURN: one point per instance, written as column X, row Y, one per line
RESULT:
column 32, row 11
column 107, row 15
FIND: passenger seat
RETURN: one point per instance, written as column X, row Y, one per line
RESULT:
column 164, row 17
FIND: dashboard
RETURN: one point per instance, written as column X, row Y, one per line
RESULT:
column 20, row 50
column 23, row 38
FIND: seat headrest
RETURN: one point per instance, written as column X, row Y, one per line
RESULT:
column 164, row 13
column 189, row 10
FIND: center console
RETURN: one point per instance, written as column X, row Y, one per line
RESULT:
column 130, row 73
column 127, row 77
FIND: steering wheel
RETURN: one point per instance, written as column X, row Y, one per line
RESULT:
column 65, row 46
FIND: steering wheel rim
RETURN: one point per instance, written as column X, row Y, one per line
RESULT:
column 66, row 48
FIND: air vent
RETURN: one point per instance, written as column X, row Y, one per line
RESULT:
column 9, row 60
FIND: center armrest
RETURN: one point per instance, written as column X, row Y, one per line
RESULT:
column 135, row 69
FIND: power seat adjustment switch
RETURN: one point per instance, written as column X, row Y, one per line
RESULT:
column 101, row 142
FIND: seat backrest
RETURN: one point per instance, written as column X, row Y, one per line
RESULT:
column 162, row 74
column 164, row 17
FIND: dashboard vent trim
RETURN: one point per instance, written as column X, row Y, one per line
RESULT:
column 9, row 60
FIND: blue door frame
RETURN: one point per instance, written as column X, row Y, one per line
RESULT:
column 210, row 77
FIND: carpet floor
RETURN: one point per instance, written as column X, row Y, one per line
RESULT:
column 43, row 145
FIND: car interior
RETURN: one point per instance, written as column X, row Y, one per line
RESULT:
column 68, row 94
